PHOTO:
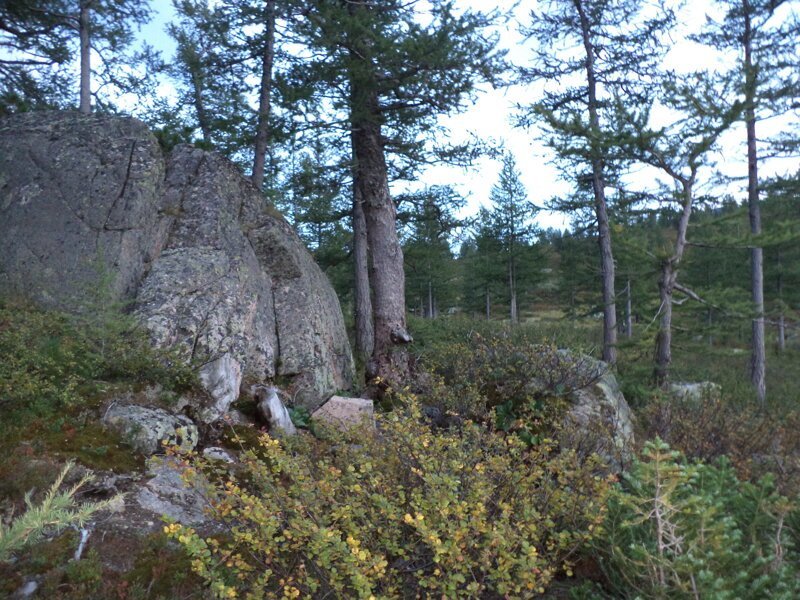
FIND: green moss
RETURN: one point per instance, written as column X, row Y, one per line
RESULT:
column 163, row 568
column 93, row 446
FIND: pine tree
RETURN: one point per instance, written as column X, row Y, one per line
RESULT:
column 679, row 150
column 393, row 71
column 511, row 219
column 612, row 49
column 43, row 37
column 430, row 267
column 768, row 78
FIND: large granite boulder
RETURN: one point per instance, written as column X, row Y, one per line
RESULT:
column 90, row 205
column 79, row 201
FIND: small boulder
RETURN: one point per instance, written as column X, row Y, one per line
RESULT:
column 218, row 454
column 598, row 418
column 272, row 411
column 694, row 392
column 221, row 378
column 168, row 494
column 343, row 413
column 147, row 429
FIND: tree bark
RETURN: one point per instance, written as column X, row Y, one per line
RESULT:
column 363, row 302
column 387, row 278
column 488, row 306
column 758, row 359
column 513, row 289
column 607, row 267
column 85, row 50
column 264, row 98
column 628, row 311
column 666, row 287
column 781, row 317
column 431, row 309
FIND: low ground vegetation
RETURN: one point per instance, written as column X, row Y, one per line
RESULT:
column 462, row 491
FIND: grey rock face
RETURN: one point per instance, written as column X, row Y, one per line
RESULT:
column 273, row 411
column 79, row 199
column 147, row 429
column 222, row 378
column 186, row 238
column 168, row 494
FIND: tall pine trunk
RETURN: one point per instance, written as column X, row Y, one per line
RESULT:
column 264, row 98
column 85, row 51
column 607, row 268
column 758, row 359
column 365, row 334
column 512, row 285
column 387, row 278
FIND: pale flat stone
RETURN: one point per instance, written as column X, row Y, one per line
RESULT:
column 345, row 412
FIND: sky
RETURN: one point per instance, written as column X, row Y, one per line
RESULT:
column 491, row 117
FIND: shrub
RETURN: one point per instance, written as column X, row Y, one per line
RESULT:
column 508, row 379
column 405, row 511
column 50, row 363
column 706, row 429
column 682, row 530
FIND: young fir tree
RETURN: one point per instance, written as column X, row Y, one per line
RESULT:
column 430, row 267
column 605, row 49
column 511, row 220
column 393, row 68
column 481, row 258
column 764, row 34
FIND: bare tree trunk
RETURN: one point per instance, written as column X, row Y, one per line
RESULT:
column 363, row 301
column 431, row 310
column 488, row 306
column 628, row 311
column 200, row 107
column 86, row 67
column 666, row 286
column 781, row 317
column 387, row 278
column 513, row 289
column 663, row 350
column 759, row 355
column 265, row 98
column 601, row 208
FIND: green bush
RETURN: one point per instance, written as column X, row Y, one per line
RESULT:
column 682, row 530
column 50, row 363
column 402, row 512
column 506, row 379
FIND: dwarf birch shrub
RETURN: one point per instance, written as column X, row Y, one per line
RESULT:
column 406, row 511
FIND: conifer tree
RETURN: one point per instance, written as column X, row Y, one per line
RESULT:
column 764, row 34
column 679, row 150
column 511, row 219
column 42, row 38
column 609, row 48
column 393, row 70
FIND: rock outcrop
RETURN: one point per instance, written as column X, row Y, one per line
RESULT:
column 92, row 211
column 599, row 418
